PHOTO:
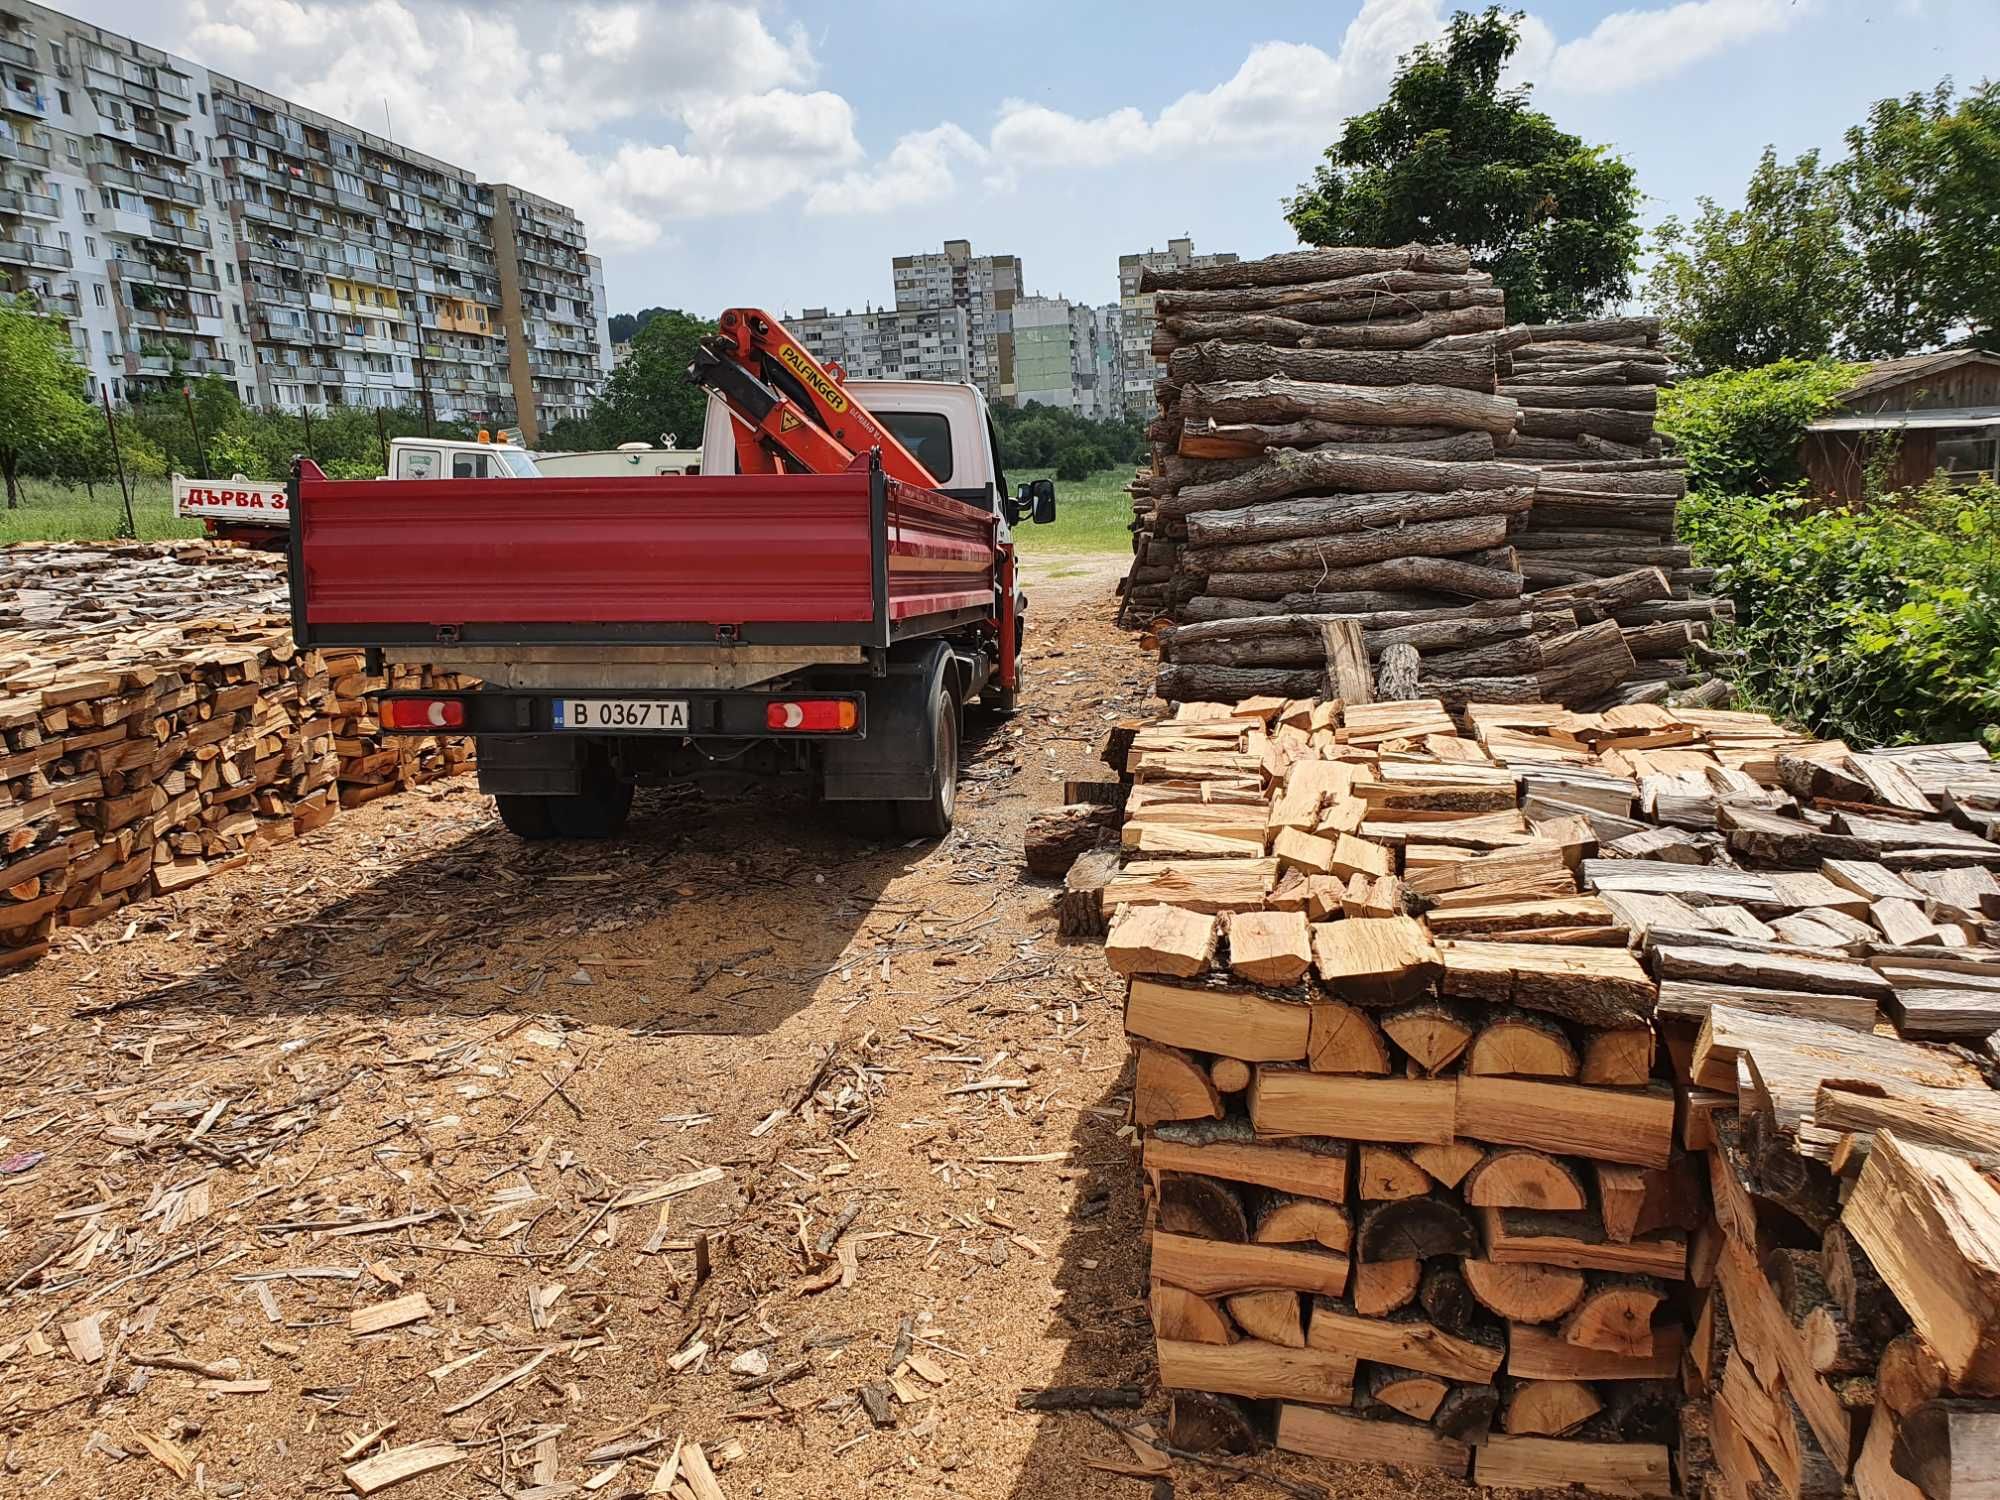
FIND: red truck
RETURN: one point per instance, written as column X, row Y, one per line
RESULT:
column 820, row 601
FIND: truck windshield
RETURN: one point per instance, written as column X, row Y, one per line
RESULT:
column 517, row 463
column 927, row 434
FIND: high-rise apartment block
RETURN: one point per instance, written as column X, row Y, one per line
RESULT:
column 888, row 345
column 1139, row 368
column 1056, row 358
column 191, row 224
column 986, row 287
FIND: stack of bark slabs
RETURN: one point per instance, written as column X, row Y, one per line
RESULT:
column 147, row 741
column 1416, row 1194
column 1606, row 499
column 1372, row 351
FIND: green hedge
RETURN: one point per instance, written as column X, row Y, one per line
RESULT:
column 1878, row 625
column 1739, row 430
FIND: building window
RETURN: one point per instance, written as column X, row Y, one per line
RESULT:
column 1969, row 455
column 90, row 245
column 75, row 151
column 62, row 100
column 201, row 100
column 62, row 238
column 110, row 343
column 97, row 291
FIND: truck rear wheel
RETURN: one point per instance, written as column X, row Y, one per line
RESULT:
column 598, row 811
column 526, row 817
column 931, row 817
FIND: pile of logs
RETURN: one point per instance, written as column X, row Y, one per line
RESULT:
column 1341, row 432
column 1517, row 1093
column 147, row 742
column 1606, row 498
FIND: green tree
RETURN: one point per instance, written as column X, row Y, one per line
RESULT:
column 1774, row 279
column 1451, row 156
column 1922, row 184
column 43, row 413
column 650, row 396
column 625, row 326
column 1739, row 430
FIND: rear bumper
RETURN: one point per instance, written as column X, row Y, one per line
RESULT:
column 710, row 715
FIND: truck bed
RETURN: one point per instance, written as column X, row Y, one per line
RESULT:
column 853, row 558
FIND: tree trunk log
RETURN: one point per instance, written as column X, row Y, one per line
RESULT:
column 1279, row 399
column 1233, row 684
column 1407, row 333
column 1056, row 839
column 1636, row 330
column 1287, row 472
column 1439, row 574
column 1324, row 304
column 1573, row 397
column 1315, row 516
column 1247, row 440
column 1347, row 288
column 1298, row 266
column 1527, row 448
column 1216, row 359
column 1317, row 331
column 1418, row 539
column 1631, row 427
column 1611, row 373
column 1204, row 608
column 1397, row 674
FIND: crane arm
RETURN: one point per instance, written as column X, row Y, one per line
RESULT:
column 788, row 408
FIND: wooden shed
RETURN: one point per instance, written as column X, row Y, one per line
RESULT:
column 1911, row 417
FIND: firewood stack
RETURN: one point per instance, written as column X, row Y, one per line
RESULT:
column 1606, row 498
column 1444, row 1027
column 1335, row 439
column 147, row 742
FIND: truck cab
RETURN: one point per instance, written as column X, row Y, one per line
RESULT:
column 441, row 458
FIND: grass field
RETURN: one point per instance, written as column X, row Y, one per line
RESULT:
column 56, row 513
column 1092, row 515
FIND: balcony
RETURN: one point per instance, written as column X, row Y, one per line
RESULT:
column 145, row 273
column 26, row 153
column 210, row 364
column 30, row 205
column 23, row 102
column 22, row 253
column 154, row 364
column 20, row 56
column 173, row 319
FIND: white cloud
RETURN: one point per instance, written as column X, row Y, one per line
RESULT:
column 1637, row 47
column 917, row 170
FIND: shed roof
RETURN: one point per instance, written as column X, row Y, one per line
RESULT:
column 1891, row 372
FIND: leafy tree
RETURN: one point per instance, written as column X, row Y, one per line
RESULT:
column 43, row 413
column 1739, row 430
column 1922, row 181
column 625, row 326
column 1772, row 280
column 1079, row 461
column 573, row 435
column 650, row 396
column 1451, row 156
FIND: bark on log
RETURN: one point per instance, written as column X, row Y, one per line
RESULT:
column 1207, row 1422
column 1527, row 448
column 1441, row 575
column 1408, row 333
column 1294, row 267
column 1611, row 372
column 1233, row 684
column 1333, row 515
column 1279, row 399
column 1248, row 440
column 1330, row 469
column 1054, row 840
column 1634, row 330
column 1518, row 657
column 1205, row 608
column 1352, row 549
column 1631, row 427
column 1346, row 288
column 1218, row 359
column 1571, row 397
column 1398, row 673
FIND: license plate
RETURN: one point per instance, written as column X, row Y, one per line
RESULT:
column 621, row 715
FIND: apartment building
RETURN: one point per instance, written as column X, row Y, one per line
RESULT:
column 187, row 223
column 890, row 345
column 1110, row 361
column 1056, row 359
column 986, row 288
column 1138, row 368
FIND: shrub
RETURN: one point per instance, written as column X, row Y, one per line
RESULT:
column 1739, row 429
column 1879, row 624
column 1080, row 461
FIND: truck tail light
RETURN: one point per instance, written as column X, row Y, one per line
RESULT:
column 811, row 715
column 421, row 713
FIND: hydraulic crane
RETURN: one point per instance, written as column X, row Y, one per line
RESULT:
column 791, row 413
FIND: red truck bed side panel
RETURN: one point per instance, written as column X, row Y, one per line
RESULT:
column 729, row 549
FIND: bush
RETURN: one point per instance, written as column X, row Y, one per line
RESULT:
column 1739, row 429
column 1880, row 624
column 1080, row 461
column 1036, row 436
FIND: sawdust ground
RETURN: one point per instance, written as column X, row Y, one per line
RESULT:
column 411, row 1014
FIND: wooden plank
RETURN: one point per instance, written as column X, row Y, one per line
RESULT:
column 1293, row 1101
column 1286, row 1169
column 1347, row 1439
column 1410, row 1342
column 1217, row 1268
column 1634, row 1471
column 372, row 1475
column 1578, row 1242
column 392, row 1314
column 1769, row 969
column 1538, row 1353
column 1252, row 1368
column 1623, row 1125
column 1232, row 1022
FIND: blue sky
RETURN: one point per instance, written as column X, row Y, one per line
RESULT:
column 730, row 152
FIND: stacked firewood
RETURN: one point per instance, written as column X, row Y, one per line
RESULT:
column 1606, row 498
column 1444, row 1027
column 144, row 747
column 1341, row 434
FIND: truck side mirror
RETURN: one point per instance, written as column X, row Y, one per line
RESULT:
column 1042, row 492
column 1015, row 507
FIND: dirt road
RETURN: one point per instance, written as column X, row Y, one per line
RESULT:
column 411, row 1056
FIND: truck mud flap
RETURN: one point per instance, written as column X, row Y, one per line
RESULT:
column 531, row 765
column 893, row 763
